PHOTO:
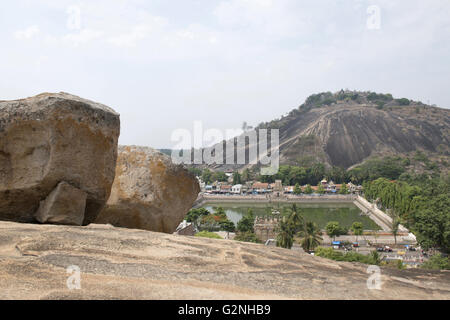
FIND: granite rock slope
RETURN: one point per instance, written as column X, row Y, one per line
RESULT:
column 119, row 263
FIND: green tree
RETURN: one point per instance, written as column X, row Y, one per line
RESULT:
column 237, row 178
column 320, row 189
column 333, row 229
column 431, row 216
column 344, row 189
column 297, row 175
column 308, row 189
column 227, row 226
column 207, row 176
column 245, row 175
column 394, row 228
column 194, row 214
column 219, row 176
column 285, row 233
column 310, row 236
column 288, row 226
column 219, row 211
column 297, row 189
column 357, row 229
column 296, row 218
column 247, row 222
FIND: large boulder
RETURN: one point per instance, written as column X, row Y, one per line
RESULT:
column 51, row 138
column 149, row 191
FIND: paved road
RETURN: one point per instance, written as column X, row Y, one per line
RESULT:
column 376, row 240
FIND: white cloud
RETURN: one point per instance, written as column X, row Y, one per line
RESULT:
column 82, row 37
column 28, row 33
column 151, row 26
column 228, row 61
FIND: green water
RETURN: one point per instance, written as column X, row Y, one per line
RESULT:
column 320, row 213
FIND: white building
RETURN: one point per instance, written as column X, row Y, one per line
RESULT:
column 236, row 189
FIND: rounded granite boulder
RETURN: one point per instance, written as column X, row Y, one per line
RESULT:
column 149, row 191
column 51, row 138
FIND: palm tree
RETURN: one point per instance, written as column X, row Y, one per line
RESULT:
column 285, row 236
column 311, row 236
column 296, row 219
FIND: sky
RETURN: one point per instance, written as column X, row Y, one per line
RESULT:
column 165, row 64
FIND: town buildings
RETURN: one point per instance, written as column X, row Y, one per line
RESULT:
column 277, row 188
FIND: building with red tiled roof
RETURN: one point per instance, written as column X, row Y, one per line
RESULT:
column 261, row 187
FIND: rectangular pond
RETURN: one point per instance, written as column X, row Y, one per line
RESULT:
column 320, row 213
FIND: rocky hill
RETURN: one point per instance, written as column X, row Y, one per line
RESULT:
column 138, row 264
column 346, row 128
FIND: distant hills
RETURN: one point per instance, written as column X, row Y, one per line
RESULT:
column 348, row 127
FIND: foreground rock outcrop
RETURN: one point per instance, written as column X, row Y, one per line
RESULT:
column 149, row 191
column 64, row 205
column 37, row 261
column 53, row 138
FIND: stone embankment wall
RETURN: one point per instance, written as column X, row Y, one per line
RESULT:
column 380, row 218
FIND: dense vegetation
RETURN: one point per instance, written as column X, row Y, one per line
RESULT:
column 392, row 168
column 350, row 256
column 437, row 262
column 422, row 205
column 245, row 228
column 334, row 229
column 207, row 221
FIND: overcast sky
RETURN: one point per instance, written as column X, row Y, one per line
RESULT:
column 162, row 64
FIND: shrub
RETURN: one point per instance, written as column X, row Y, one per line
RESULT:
column 403, row 102
column 206, row 234
column 246, row 237
column 330, row 253
column 437, row 262
column 246, row 223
